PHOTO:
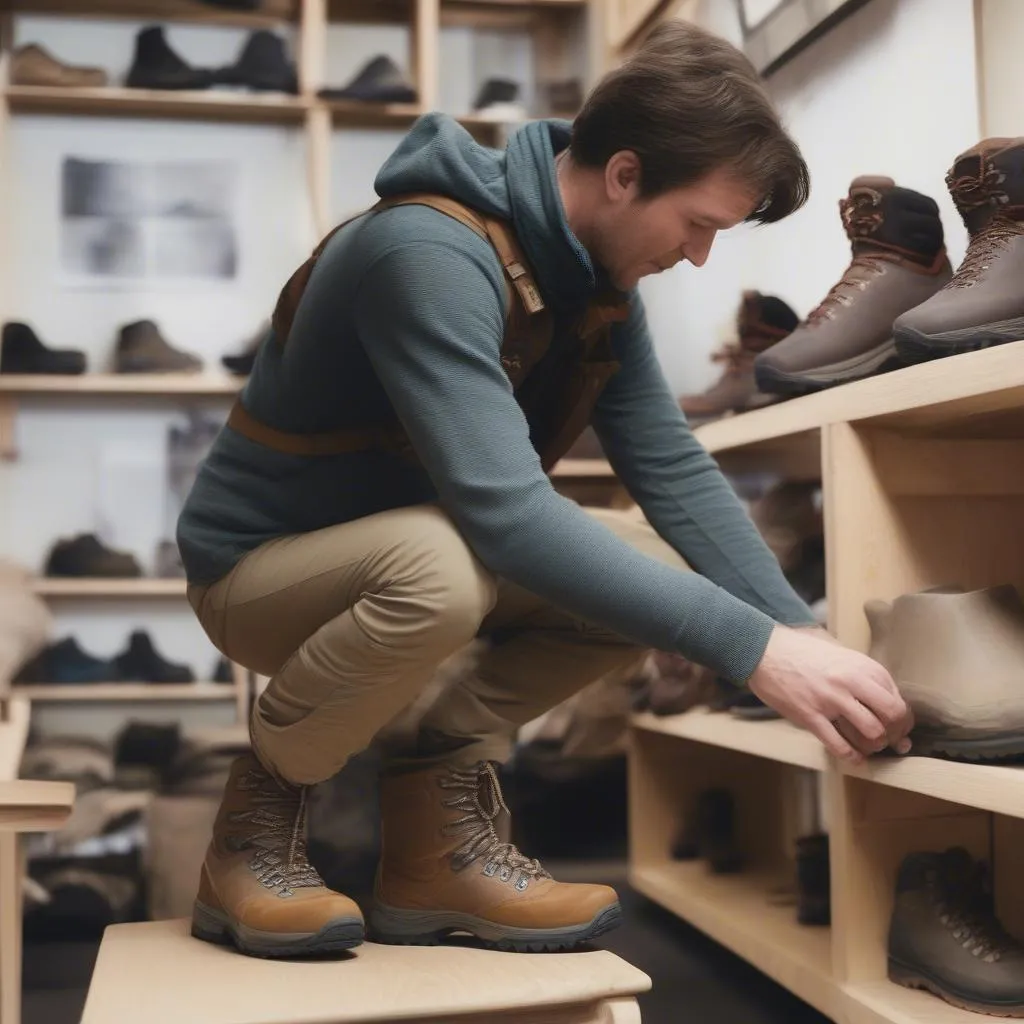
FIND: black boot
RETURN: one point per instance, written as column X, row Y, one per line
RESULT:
column 710, row 832
column 262, row 66
column 21, row 351
column 380, row 81
column 157, row 66
column 141, row 663
column 813, row 880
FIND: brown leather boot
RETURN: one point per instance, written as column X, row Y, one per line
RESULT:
column 33, row 65
column 444, row 868
column 257, row 889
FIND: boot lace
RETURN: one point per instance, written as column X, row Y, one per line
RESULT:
column 478, row 795
column 987, row 244
column 734, row 356
column 967, row 910
column 278, row 820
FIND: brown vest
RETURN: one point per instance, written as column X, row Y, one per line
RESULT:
column 557, row 400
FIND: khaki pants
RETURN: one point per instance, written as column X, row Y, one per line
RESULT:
column 350, row 622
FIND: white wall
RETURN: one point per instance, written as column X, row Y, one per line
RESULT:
column 892, row 90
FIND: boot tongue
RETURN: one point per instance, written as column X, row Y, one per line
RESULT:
column 754, row 333
column 863, row 211
column 976, row 182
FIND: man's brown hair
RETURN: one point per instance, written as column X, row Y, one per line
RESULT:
column 688, row 103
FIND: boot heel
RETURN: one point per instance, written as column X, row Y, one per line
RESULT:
column 209, row 925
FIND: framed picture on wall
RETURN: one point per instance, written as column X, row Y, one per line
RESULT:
column 774, row 31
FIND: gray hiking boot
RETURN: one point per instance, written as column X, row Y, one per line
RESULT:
column 761, row 321
column 958, row 660
column 944, row 935
column 899, row 261
column 141, row 348
column 983, row 304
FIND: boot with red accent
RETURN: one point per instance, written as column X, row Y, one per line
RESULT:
column 257, row 889
column 444, row 868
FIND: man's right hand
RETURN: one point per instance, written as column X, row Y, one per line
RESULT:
column 848, row 700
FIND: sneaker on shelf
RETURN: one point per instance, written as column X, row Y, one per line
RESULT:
column 498, row 100
column 21, row 351
column 379, row 81
column 34, row 65
column 86, row 555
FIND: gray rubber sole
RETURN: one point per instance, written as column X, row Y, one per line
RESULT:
column 396, row 926
column 912, row 977
column 215, row 926
column 916, row 347
column 1008, row 746
column 879, row 359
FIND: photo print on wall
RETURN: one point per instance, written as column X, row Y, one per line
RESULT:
column 127, row 224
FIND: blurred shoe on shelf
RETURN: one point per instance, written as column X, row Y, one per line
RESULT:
column 66, row 662
column 709, row 832
column 141, row 348
column 945, row 937
column 168, row 561
column 262, row 66
column 983, row 304
column 761, row 321
column 222, row 672
column 787, row 515
column 958, row 660
column 750, row 707
column 677, row 684
column 85, row 555
column 156, row 66
column 33, row 65
column 813, row 878
column 498, row 100
column 83, row 760
column 140, row 662
column 564, row 98
column 379, row 81
column 242, row 363
column 899, row 261
column 21, row 351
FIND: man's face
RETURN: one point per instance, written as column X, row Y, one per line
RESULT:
column 636, row 237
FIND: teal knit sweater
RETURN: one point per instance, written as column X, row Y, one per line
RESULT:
column 404, row 314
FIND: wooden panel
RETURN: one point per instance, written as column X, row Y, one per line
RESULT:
column 318, row 155
column 10, row 930
column 31, row 806
column 442, row 983
column 125, row 692
column 55, row 586
column 13, row 736
column 155, row 385
column 932, row 467
column 423, row 60
column 312, row 46
column 164, row 10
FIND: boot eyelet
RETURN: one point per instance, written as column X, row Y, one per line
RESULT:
column 521, row 883
column 505, row 873
column 490, row 868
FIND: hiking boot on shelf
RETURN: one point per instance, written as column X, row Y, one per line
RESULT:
column 141, row 348
column 156, row 66
column 380, row 81
column 498, row 101
column 958, row 660
column 262, row 66
column 21, row 351
column 257, row 889
column 762, row 321
column 751, row 708
column 944, row 935
column 983, row 304
column 445, row 868
column 66, row 662
column 813, row 876
column 34, row 65
column 678, row 685
column 84, row 555
column 140, row 662
column 899, row 261
column 709, row 832
column 222, row 671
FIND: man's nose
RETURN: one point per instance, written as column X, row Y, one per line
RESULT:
column 699, row 249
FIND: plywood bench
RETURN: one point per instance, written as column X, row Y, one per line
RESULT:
column 155, row 971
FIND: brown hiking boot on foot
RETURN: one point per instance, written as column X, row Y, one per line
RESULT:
column 899, row 261
column 257, row 889
column 983, row 304
column 444, row 868
column 762, row 321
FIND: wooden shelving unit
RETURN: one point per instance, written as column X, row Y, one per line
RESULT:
column 87, row 693
column 191, row 11
column 130, row 589
column 922, row 472
column 106, row 385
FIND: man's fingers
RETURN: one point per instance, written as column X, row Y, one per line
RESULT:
column 865, row 731
column 834, row 742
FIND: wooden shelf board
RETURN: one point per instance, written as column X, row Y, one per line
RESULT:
column 59, row 586
column 583, row 468
column 996, row 788
column 775, row 740
column 150, row 10
column 945, row 395
column 735, row 911
column 75, row 693
column 167, row 384
column 882, row 1002
column 119, row 102
column 30, row 805
column 13, row 737
column 358, row 114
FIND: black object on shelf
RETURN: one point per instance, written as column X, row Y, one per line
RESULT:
column 262, row 66
column 380, row 81
column 813, row 880
column 85, row 555
column 709, row 832
column 21, row 351
column 141, row 662
column 66, row 662
column 156, row 66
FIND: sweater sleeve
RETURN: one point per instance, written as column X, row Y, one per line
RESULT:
column 679, row 486
column 431, row 320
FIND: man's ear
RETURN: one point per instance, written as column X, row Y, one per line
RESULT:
column 622, row 176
